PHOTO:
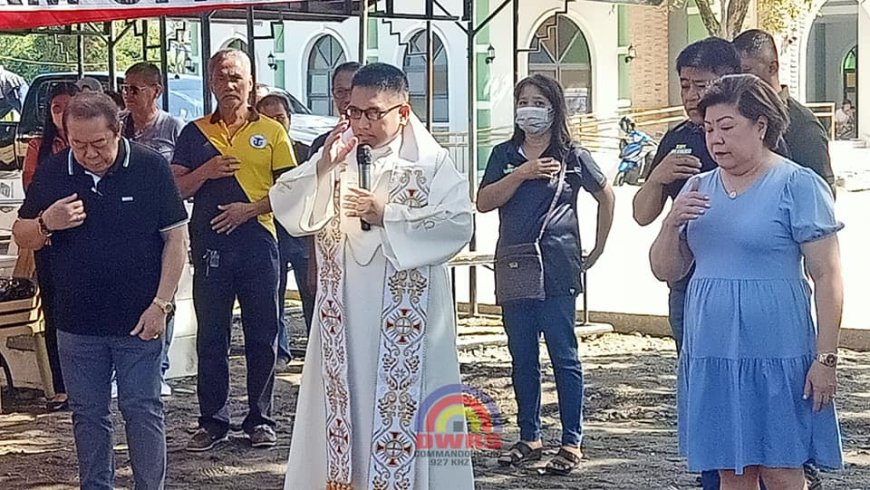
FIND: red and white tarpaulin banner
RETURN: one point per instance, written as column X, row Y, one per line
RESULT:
column 29, row 14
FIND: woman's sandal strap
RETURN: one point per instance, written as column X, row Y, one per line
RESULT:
column 563, row 463
column 521, row 453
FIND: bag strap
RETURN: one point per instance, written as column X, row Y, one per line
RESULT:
column 550, row 212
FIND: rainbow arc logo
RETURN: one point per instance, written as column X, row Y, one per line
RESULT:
column 458, row 417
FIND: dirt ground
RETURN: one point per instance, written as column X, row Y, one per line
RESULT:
column 629, row 426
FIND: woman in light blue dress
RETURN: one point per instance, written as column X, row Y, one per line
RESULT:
column 757, row 378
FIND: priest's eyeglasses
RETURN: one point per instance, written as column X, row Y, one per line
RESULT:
column 372, row 114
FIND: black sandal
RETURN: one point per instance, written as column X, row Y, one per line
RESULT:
column 563, row 463
column 519, row 454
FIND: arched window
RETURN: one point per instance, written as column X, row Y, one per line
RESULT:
column 559, row 50
column 237, row 44
column 414, row 65
column 325, row 56
column 850, row 75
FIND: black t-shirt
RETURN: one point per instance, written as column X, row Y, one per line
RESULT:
column 106, row 271
column 688, row 138
column 521, row 218
column 808, row 141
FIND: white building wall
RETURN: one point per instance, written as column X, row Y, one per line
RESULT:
column 840, row 34
column 393, row 37
column 597, row 20
column 797, row 59
column 864, row 71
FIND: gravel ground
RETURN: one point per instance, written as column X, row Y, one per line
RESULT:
column 629, row 443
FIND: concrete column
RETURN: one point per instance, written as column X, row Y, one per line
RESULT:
column 864, row 71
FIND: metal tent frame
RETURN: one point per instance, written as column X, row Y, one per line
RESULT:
column 327, row 11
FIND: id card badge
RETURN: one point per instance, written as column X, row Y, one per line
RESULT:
column 681, row 149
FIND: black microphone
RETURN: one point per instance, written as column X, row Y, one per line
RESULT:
column 364, row 164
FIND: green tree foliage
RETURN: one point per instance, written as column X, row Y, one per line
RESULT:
column 778, row 16
column 725, row 18
column 36, row 53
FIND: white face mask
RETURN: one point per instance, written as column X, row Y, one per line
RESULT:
column 534, row 120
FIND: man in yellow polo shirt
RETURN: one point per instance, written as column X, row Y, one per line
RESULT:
column 226, row 161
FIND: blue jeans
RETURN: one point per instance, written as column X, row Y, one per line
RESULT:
column 710, row 480
column 87, row 363
column 524, row 322
column 676, row 305
column 293, row 251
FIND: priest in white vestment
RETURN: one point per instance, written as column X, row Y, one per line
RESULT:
column 384, row 336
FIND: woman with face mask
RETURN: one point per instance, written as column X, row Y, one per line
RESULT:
column 534, row 180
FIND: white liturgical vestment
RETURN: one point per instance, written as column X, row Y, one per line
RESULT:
column 383, row 341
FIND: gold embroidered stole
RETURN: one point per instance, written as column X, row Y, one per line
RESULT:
column 330, row 317
column 400, row 357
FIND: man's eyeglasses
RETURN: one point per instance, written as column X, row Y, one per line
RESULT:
column 340, row 93
column 372, row 114
column 133, row 90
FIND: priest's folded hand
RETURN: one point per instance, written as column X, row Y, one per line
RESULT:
column 364, row 205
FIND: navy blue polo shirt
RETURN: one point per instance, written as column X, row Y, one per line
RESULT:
column 521, row 218
column 691, row 139
column 106, row 271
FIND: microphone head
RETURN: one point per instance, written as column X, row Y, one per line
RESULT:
column 364, row 155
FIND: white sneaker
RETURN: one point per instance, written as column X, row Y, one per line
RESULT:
column 165, row 389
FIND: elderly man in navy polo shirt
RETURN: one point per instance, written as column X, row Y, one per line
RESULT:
column 110, row 216
column 227, row 162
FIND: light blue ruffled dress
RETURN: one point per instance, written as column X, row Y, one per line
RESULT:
column 749, row 335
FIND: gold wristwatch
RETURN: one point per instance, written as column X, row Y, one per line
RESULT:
column 43, row 228
column 164, row 305
column 828, row 359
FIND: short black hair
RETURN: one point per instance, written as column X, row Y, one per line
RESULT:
column 756, row 43
column 383, row 77
column 274, row 99
column 149, row 71
column 347, row 67
column 714, row 54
